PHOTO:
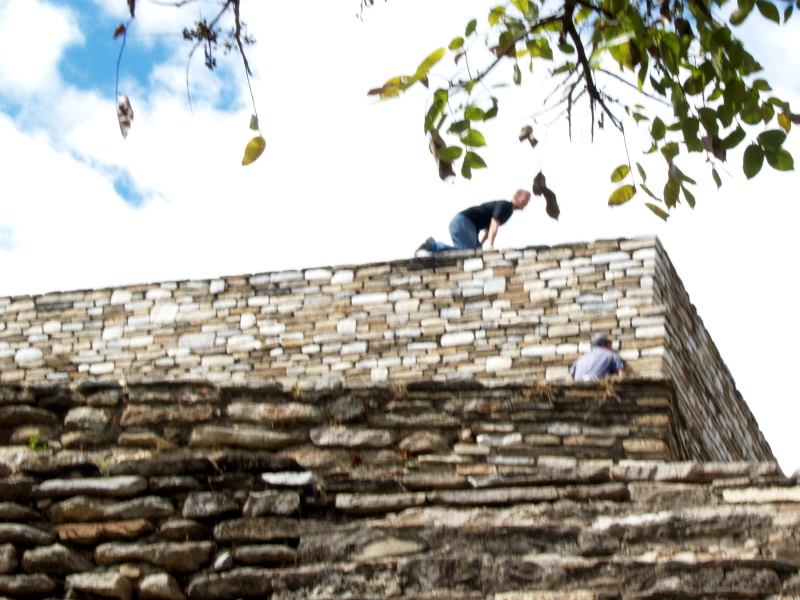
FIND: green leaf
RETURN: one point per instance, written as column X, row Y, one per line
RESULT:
column 564, row 68
column 785, row 122
column 466, row 171
column 474, row 138
column 780, row 160
column 254, row 123
column 495, row 14
column 522, row 5
column 426, row 65
column 621, row 195
column 474, row 160
column 640, row 117
column 649, row 193
column 254, row 149
column 658, row 130
column 517, row 74
column 739, row 15
column 772, row 139
column 458, row 127
column 733, row 139
column 492, row 112
column 642, row 173
column 761, row 85
column 689, row 196
column 659, row 212
column 456, row 43
column 450, row 153
column 566, row 48
column 716, row 177
column 473, row 113
column 769, row 10
column 753, row 160
column 671, row 190
column 470, row 28
column 670, row 151
column 708, row 117
column 620, row 173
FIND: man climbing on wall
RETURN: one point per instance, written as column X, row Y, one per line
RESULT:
column 601, row 361
column 470, row 228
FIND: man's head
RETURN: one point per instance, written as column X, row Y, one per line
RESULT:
column 521, row 199
column 601, row 340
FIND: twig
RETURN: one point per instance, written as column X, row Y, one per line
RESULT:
column 628, row 83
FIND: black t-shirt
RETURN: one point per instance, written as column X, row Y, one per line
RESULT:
column 483, row 214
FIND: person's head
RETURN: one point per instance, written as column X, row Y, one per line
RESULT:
column 601, row 340
column 521, row 199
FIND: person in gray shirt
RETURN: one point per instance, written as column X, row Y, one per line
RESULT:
column 598, row 363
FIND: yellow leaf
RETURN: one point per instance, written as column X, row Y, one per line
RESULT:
column 255, row 148
column 621, row 195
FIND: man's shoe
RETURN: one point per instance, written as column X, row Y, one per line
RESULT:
column 426, row 245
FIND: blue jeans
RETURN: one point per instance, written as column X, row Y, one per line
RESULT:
column 464, row 235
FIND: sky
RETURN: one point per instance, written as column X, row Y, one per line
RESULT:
column 345, row 179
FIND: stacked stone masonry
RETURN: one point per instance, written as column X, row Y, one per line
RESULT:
column 172, row 490
column 496, row 317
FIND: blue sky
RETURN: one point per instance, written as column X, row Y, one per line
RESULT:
column 343, row 179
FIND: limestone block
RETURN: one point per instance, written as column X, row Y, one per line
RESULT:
column 24, row 535
column 762, row 495
column 539, row 350
column 15, row 415
column 121, row 297
column 87, row 508
column 209, row 436
column 28, row 355
column 196, row 340
column 84, row 417
column 457, row 339
column 424, row 441
column 493, row 496
column 201, row 505
column 351, row 438
column 271, row 503
column 8, row 558
column 247, row 582
column 265, row 554
column 97, row 486
column 181, row 557
column 472, row 264
column 160, row 586
column 55, row 560
column 141, row 415
column 290, row 479
column 368, row 299
column 365, row 504
column 16, row 586
column 389, row 546
column 290, row 412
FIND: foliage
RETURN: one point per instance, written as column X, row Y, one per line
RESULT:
column 676, row 53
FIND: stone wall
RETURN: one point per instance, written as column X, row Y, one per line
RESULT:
column 497, row 317
column 168, row 490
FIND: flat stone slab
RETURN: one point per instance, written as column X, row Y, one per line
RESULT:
column 368, row 504
column 92, row 486
column 211, row 436
column 160, row 586
column 290, row 412
column 261, row 529
column 271, row 503
column 494, row 496
column 761, row 495
column 265, row 554
column 247, row 582
column 84, row 509
column 55, row 560
column 351, row 438
column 105, row 585
column 201, row 505
column 26, row 585
column 24, row 535
column 90, row 533
column 183, row 557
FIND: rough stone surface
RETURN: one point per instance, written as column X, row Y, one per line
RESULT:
column 105, row 585
column 55, row 560
column 160, row 586
column 183, row 557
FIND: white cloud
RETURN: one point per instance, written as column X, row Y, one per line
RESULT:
column 33, row 37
